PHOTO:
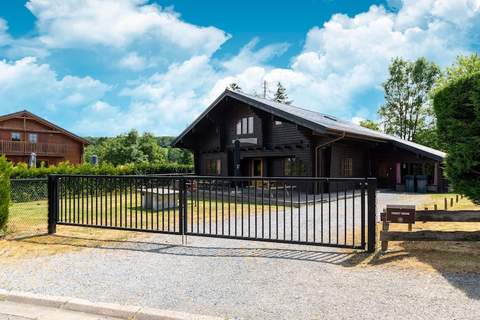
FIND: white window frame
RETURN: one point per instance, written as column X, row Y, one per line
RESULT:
column 250, row 125
column 244, row 125
column 30, row 135
column 13, row 136
column 239, row 127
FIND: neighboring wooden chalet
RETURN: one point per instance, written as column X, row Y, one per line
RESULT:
column 23, row 133
column 282, row 140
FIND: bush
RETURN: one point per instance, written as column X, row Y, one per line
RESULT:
column 5, row 170
column 457, row 106
column 21, row 170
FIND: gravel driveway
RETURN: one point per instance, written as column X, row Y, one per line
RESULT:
column 246, row 280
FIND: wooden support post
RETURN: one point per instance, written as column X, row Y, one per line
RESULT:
column 456, row 198
column 451, row 202
column 385, row 227
column 445, row 203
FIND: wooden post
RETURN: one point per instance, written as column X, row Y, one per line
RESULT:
column 451, row 202
column 385, row 227
column 435, row 207
column 445, row 203
column 456, row 198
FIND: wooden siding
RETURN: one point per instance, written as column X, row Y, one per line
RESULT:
column 53, row 146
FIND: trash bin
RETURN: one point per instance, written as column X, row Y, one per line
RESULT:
column 421, row 183
column 409, row 183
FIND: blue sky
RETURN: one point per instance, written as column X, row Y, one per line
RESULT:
column 104, row 67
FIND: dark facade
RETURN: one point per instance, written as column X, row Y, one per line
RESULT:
column 277, row 143
column 23, row 133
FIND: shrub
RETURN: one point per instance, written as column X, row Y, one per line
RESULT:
column 5, row 170
column 457, row 106
column 21, row 170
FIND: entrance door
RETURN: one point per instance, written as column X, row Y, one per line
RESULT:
column 256, row 170
column 256, row 167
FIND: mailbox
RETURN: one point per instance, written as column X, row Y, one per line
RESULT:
column 400, row 214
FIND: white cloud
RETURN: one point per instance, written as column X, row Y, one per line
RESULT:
column 121, row 25
column 27, row 84
column 133, row 62
column 248, row 56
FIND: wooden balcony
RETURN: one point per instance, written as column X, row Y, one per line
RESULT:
column 26, row 148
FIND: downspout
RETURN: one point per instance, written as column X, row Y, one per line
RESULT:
column 324, row 145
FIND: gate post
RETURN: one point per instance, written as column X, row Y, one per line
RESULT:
column 372, row 209
column 52, row 187
column 182, row 206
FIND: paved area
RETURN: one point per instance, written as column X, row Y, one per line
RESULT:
column 20, row 311
column 247, row 280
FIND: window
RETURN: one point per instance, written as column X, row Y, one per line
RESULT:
column 16, row 136
column 250, row 125
column 33, row 137
column 239, row 128
column 214, row 167
column 245, row 126
column 347, row 167
column 278, row 123
column 293, row 167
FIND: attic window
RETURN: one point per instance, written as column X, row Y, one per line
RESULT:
column 278, row 122
column 245, row 126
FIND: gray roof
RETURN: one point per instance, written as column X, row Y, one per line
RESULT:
column 316, row 121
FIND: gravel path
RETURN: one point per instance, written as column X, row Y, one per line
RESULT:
column 248, row 280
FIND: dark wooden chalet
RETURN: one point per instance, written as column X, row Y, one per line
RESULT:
column 283, row 140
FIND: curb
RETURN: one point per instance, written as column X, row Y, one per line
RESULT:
column 98, row 308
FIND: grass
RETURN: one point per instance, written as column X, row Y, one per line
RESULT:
column 436, row 256
column 439, row 198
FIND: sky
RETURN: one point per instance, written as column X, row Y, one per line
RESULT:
column 103, row 67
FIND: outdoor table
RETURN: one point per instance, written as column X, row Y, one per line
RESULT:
column 159, row 198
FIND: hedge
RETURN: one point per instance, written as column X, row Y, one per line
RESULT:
column 21, row 170
column 5, row 170
column 457, row 107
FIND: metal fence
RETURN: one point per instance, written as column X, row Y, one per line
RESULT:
column 29, row 207
column 301, row 210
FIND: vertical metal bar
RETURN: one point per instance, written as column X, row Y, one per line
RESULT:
column 338, row 203
column 248, row 206
column 321, row 210
column 345, row 212
column 235, row 198
column 210, row 207
column 216, row 206
column 229, row 213
column 276, row 209
column 131, row 202
column 203, row 201
column 263, row 210
column 52, row 199
column 269, row 210
column 241, row 207
column 362, row 215
column 372, row 223
column 299, row 214
column 306, row 214
column 255, row 203
column 163, row 207
column 284, row 211
column 291, row 213
column 329, row 213
column 121, row 200
column 223, row 208
column 353, row 213
column 314, row 208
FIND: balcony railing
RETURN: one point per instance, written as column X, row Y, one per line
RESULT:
column 26, row 148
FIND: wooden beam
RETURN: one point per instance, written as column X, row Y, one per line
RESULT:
column 430, row 236
column 448, row 216
column 28, row 130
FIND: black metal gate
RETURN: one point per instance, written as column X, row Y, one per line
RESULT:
column 337, row 212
